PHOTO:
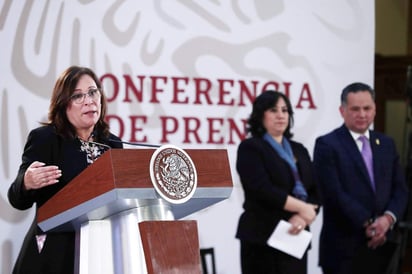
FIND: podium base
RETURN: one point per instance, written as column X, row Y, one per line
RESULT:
column 114, row 245
column 171, row 247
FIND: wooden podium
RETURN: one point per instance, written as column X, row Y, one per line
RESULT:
column 121, row 222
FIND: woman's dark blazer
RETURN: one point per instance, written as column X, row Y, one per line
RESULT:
column 267, row 180
column 44, row 145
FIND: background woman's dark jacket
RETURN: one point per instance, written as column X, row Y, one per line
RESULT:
column 267, row 181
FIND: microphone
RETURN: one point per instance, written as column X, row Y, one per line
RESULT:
column 133, row 144
column 94, row 134
column 100, row 144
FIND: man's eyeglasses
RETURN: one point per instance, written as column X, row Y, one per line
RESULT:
column 78, row 98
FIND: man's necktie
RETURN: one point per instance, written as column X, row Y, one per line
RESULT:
column 367, row 157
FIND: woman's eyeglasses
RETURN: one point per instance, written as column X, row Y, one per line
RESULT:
column 78, row 98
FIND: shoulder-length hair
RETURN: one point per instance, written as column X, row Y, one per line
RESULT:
column 268, row 99
column 62, row 91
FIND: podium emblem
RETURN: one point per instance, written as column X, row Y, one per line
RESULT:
column 173, row 174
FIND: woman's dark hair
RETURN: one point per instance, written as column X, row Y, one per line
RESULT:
column 268, row 99
column 63, row 89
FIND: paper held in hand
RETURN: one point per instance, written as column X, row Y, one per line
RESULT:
column 294, row 245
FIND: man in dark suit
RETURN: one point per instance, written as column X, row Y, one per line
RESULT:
column 360, row 206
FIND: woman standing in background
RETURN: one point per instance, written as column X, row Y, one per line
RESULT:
column 278, row 181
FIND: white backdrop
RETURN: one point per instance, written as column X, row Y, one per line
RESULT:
column 180, row 72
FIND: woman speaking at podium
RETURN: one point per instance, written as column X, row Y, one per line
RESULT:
column 75, row 135
column 278, row 182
